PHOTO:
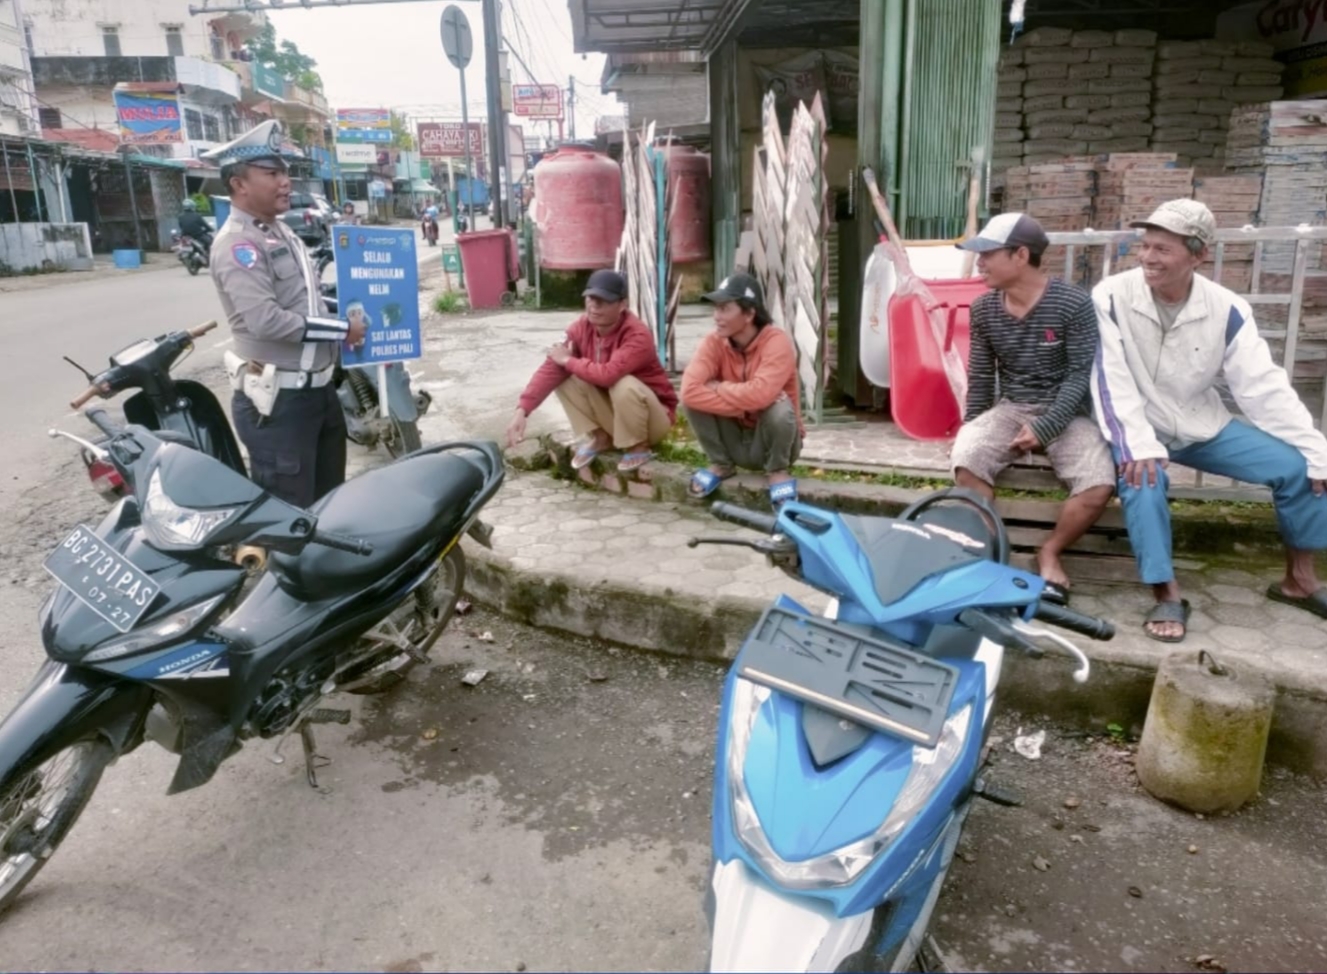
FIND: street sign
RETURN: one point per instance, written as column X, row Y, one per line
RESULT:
column 536, row 101
column 375, row 136
column 457, row 42
column 438, row 140
column 377, row 278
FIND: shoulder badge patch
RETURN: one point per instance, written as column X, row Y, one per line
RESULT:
column 246, row 255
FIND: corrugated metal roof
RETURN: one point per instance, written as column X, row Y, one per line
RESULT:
column 620, row 26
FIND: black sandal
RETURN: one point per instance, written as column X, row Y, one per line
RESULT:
column 1168, row 612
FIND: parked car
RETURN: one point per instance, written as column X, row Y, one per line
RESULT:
column 310, row 215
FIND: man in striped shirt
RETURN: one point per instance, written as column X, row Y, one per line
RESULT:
column 1034, row 339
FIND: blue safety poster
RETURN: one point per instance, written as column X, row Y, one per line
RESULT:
column 377, row 281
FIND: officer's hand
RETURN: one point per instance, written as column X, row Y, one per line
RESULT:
column 516, row 428
column 355, row 336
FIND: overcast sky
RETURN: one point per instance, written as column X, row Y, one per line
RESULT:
column 390, row 55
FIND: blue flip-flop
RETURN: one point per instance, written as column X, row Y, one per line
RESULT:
column 781, row 493
column 705, row 482
column 584, row 456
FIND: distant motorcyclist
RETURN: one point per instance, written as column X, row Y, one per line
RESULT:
column 194, row 226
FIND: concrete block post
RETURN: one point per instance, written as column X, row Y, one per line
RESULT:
column 1206, row 733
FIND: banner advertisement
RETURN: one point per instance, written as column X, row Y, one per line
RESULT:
column 364, row 118
column 1296, row 29
column 377, row 281
column 356, row 154
column 536, row 101
column 268, row 81
column 148, row 117
column 439, row 140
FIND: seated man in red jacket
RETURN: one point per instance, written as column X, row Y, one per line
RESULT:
column 609, row 379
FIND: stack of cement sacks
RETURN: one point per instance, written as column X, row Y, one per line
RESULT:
column 1083, row 92
column 1196, row 86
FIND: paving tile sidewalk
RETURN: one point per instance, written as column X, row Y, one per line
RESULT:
column 609, row 566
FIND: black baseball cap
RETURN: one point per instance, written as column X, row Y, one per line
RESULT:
column 746, row 291
column 606, row 285
column 1006, row 231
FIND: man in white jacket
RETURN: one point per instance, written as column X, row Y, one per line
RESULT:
column 1167, row 335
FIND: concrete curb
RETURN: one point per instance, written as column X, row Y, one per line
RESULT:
column 646, row 618
column 1226, row 530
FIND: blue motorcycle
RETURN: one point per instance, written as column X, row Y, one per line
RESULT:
column 850, row 743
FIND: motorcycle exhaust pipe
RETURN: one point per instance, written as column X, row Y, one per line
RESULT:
column 251, row 558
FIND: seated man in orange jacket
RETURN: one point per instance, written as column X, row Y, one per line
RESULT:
column 739, row 393
column 609, row 379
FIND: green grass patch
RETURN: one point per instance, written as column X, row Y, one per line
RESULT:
column 449, row 302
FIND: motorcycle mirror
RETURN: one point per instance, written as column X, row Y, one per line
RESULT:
column 86, row 374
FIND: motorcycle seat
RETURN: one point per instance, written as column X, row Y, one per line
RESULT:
column 395, row 508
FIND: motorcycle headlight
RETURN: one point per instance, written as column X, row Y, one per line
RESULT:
column 171, row 627
column 170, row 525
column 843, row 865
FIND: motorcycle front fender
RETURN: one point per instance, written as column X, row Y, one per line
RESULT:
column 759, row 928
column 64, row 705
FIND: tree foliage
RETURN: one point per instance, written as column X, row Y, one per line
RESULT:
column 402, row 137
column 287, row 58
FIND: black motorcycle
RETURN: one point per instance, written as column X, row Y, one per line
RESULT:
column 203, row 612
column 162, row 402
column 194, row 254
column 367, row 424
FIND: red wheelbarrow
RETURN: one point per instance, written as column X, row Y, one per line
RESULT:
column 922, row 398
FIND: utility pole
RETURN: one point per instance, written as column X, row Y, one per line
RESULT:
column 571, row 106
column 496, row 123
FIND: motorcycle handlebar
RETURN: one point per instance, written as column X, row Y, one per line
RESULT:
column 342, row 542
column 85, row 397
column 764, row 523
column 202, row 329
column 1085, row 625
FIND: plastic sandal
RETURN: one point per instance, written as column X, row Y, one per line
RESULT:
column 1168, row 612
column 706, row 482
column 634, row 461
column 781, row 493
column 584, row 456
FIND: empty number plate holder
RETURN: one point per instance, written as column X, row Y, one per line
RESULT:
column 871, row 680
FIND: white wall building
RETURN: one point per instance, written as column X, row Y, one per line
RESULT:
column 84, row 48
column 133, row 28
column 18, row 110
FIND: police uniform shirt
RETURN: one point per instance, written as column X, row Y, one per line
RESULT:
column 268, row 290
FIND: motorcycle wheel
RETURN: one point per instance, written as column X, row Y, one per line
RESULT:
column 423, row 620
column 193, row 267
column 38, row 808
column 403, row 439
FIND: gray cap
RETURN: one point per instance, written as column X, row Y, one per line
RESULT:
column 1007, row 231
column 1185, row 218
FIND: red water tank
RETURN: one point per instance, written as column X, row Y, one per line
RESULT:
column 578, row 209
column 689, row 229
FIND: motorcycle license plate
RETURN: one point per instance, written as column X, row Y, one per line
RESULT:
column 106, row 581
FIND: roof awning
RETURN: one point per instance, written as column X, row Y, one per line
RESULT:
column 156, row 161
column 416, row 186
column 622, row 26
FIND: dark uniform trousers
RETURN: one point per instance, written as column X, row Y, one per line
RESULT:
column 299, row 452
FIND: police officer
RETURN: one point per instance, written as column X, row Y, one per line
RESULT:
column 285, row 407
